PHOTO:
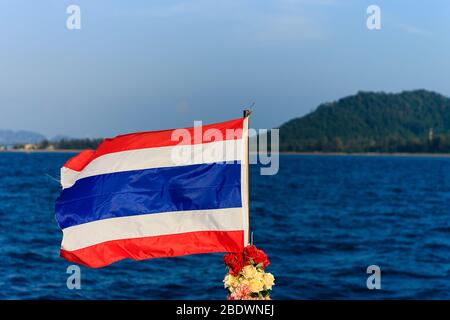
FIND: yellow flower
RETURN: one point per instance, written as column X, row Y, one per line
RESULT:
column 268, row 280
column 259, row 275
column 245, row 281
column 249, row 272
column 230, row 281
column 256, row 285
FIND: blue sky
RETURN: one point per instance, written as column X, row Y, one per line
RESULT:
column 144, row 65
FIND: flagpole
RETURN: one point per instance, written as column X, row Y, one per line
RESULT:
column 246, row 114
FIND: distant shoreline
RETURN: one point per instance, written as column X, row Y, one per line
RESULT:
column 41, row 151
column 311, row 153
column 368, row 154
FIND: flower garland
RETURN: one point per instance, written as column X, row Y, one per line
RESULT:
column 246, row 279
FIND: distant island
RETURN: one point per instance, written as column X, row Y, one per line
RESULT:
column 408, row 122
column 10, row 137
column 54, row 145
column 28, row 141
column 369, row 122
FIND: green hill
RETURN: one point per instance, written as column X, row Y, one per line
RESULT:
column 410, row 121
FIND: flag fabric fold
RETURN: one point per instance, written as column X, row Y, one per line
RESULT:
column 156, row 194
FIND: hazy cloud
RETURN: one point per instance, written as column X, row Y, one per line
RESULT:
column 270, row 22
column 415, row 30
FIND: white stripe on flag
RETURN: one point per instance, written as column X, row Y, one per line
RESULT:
column 139, row 159
column 156, row 224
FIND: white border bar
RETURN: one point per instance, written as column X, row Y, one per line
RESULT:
column 156, row 224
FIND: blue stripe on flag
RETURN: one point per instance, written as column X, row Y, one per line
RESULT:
column 194, row 187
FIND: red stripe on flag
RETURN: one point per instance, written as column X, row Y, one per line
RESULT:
column 154, row 139
column 81, row 160
column 105, row 253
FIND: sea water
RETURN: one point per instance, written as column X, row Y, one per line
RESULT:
column 322, row 220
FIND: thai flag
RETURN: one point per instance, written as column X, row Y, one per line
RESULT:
column 156, row 194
